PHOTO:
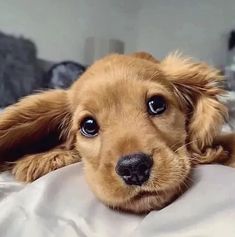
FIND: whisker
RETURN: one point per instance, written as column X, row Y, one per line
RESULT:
column 172, row 146
column 183, row 146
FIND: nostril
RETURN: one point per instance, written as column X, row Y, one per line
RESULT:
column 143, row 169
column 125, row 172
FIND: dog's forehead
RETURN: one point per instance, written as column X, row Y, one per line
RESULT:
column 115, row 68
column 117, row 80
column 121, row 66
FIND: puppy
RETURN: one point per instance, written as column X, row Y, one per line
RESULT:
column 138, row 125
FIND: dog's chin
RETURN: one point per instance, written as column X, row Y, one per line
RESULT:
column 145, row 201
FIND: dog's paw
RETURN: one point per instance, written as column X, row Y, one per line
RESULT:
column 211, row 155
column 34, row 166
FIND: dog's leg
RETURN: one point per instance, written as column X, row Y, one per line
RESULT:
column 227, row 141
column 31, row 167
column 215, row 154
column 222, row 151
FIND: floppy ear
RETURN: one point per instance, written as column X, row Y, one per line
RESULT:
column 38, row 122
column 197, row 86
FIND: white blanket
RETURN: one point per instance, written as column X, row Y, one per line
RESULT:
column 61, row 204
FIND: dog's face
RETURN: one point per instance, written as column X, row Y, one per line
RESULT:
column 131, row 127
column 137, row 123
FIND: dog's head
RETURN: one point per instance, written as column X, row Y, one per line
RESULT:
column 133, row 118
column 135, row 121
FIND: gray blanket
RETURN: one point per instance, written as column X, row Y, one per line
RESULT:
column 20, row 73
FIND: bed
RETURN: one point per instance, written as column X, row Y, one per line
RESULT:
column 61, row 204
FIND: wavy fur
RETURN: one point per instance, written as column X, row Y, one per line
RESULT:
column 41, row 132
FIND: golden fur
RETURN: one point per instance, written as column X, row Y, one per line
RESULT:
column 41, row 132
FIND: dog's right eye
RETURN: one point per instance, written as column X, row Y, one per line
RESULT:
column 89, row 127
column 156, row 105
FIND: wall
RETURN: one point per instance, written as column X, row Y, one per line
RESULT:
column 199, row 28
column 60, row 27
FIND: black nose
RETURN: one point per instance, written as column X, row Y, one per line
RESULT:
column 135, row 168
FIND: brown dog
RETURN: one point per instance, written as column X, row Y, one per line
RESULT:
column 137, row 124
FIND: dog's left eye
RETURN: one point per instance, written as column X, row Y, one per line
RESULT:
column 89, row 127
column 156, row 105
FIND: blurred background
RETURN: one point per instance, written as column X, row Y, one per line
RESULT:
column 49, row 43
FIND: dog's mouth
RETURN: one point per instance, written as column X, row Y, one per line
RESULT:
column 144, row 194
column 142, row 203
column 146, row 201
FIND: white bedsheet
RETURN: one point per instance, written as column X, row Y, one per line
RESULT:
column 61, row 204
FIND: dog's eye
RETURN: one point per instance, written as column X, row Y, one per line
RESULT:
column 156, row 105
column 89, row 127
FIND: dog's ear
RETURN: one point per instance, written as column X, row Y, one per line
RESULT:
column 146, row 56
column 197, row 86
column 36, row 122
